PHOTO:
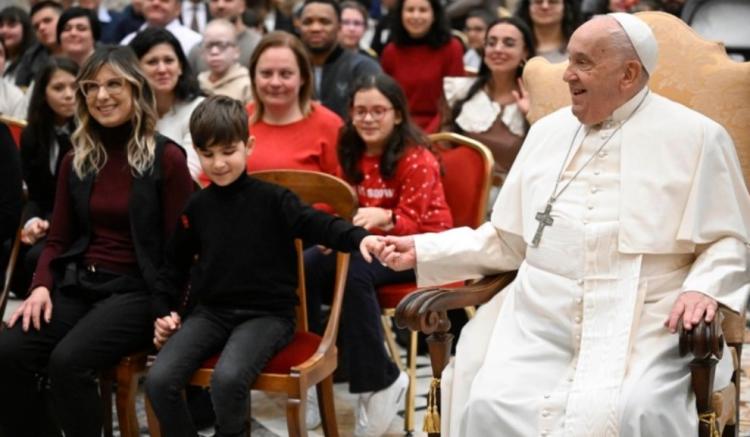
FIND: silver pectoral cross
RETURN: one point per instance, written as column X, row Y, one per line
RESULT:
column 544, row 219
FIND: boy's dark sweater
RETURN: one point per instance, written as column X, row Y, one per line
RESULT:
column 243, row 235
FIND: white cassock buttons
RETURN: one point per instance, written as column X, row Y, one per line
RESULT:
column 579, row 282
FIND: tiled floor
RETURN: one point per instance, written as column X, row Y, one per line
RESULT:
column 269, row 418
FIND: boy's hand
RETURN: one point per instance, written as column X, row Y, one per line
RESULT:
column 398, row 253
column 164, row 327
column 370, row 244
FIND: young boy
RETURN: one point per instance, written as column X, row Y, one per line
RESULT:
column 244, row 280
column 225, row 76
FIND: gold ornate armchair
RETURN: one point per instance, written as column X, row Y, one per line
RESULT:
column 698, row 74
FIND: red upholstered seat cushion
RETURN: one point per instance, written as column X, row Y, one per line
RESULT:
column 302, row 346
column 391, row 294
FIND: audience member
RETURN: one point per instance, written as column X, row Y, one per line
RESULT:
column 16, row 33
column 11, row 196
column 247, row 38
column 108, row 19
column 475, row 27
column 78, row 31
column 195, row 15
column 353, row 20
column 491, row 108
column 421, row 53
column 334, row 67
column 397, row 179
column 165, row 14
column 244, row 311
column 552, row 23
column 11, row 97
column 291, row 131
column 118, row 198
column 225, row 76
column 43, row 146
column 131, row 19
column 277, row 14
column 44, row 17
column 175, row 87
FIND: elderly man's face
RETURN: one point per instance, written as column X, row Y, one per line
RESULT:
column 594, row 72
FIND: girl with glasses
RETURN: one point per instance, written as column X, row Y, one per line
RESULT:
column 387, row 159
column 119, row 195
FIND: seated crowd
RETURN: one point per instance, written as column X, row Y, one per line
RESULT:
column 128, row 112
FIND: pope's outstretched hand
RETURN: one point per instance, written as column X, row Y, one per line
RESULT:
column 398, row 253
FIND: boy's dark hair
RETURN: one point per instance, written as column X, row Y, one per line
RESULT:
column 46, row 4
column 218, row 120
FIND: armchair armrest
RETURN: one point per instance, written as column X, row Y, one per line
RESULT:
column 425, row 310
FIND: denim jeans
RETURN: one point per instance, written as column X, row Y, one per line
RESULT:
column 246, row 340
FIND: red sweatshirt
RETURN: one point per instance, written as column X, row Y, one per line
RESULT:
column 414, row 193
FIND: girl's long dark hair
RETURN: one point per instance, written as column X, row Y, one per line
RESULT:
column 14, row 14
column 438, row 35
column 40, row 113
column 485, row 75
column 406, row 134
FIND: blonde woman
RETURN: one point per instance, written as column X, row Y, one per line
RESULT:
column 119, row 195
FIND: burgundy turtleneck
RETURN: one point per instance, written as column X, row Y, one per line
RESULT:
column 111, row 245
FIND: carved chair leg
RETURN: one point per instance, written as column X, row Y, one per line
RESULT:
column 326, row 406
column 439, row 345
column 127, row 388
column 702, row 376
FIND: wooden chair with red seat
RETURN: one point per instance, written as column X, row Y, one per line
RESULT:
column 309, row 360
column 15, row 125
column 467, row 176
column 698, row 74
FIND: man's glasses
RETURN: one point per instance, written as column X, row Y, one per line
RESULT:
column 90, row 88
column 376, row 112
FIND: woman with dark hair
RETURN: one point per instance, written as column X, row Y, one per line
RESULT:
column 491, row 108
column 78, row 31
column 175, row 86
column 119, row 195
column 421, row 53
column 18, row 36
column 397, row 179
column 552, row 22
column 43, row 146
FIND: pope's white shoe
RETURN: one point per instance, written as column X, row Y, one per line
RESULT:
column 376, row 410
column 312, row 412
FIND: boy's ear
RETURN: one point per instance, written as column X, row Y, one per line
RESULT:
column 250, row 144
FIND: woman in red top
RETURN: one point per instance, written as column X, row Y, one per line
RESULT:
column 398, row 184
column 291, row 131
column 421, row 53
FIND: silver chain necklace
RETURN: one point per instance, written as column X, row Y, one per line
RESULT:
column 545, row 217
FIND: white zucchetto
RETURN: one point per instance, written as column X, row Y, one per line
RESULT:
column 641, row 37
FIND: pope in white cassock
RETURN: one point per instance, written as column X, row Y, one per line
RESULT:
column 621, row 214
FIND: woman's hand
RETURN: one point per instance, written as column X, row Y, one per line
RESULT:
column 34, row 230
column 522, row 98
column 35, row 306
column 372, row 217
column 164, row 327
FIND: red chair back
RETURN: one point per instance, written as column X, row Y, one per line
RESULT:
column 16, row 126
column 467, row 176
